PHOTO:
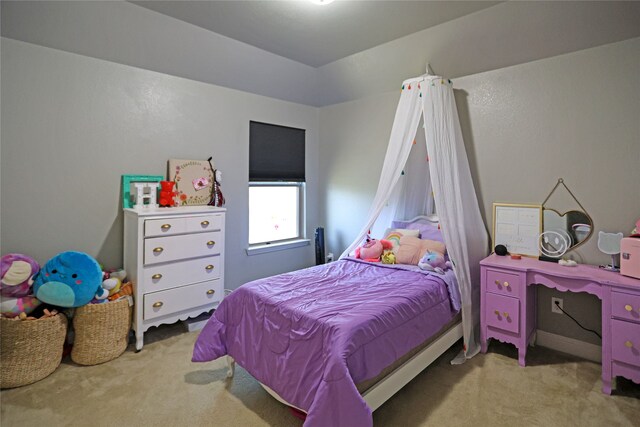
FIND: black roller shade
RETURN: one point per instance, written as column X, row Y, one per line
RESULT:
column 276, row 153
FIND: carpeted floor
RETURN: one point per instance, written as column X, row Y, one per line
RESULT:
column 161, row 387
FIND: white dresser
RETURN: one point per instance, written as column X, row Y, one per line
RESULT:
column 175, row 259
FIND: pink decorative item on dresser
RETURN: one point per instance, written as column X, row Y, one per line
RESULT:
column 508, row 308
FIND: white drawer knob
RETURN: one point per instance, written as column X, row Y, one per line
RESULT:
column 165, row 226
column 157, row 304
column 628, row 344
column 211, row 292
column 209, row 267
column 204, row 223
column 156, row 276
column 628, row 307
column 158, row 250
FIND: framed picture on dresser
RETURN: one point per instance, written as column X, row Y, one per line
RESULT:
column 518, row 227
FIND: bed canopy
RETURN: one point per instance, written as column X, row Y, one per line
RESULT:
column 435, row 175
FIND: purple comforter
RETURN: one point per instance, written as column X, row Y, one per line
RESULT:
column 311, row 335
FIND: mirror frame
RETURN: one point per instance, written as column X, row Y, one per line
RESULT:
column 586, row 239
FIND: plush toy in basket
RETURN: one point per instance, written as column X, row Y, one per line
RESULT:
column 70, row 279
column 16, row 277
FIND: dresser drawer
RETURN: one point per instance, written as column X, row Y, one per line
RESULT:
column 502, row 282
column 166, row 249
column 179, row 273
column 164, row 227
column 625, row 342
column 163, row 303
column 502, row 312
column 196, row 224
column 625, row 306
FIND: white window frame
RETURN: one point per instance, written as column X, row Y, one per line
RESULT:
column 301, row 239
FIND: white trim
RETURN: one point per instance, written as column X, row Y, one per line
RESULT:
column 384, row 389
column 279, row 246
column 568, row 345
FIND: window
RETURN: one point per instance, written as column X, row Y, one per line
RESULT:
column 276, row 184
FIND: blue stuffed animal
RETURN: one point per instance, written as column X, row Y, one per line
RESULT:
column 70, row 279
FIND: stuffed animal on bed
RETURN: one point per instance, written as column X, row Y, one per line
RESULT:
column 16, row 275
column 373, row 249
column 434, row 261
column 70, row 279
column 388, row 257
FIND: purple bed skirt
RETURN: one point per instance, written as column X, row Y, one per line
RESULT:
column 313, row 334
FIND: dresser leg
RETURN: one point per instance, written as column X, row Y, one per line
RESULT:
column 522, row 353
column 484, row 346
column 606, row 386
column 139, row 342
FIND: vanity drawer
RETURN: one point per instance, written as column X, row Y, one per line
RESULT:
column 625, row 306
column 173, row 248
column 196, row 224
column 163, row 303
column 625, row 342
column 164, row 227
column 502, row 282
column 502, row 312
column 180, row 273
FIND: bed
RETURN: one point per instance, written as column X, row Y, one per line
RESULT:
column 336, row 340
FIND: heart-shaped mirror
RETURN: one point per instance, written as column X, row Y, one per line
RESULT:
column 576, row 226
column 568, row 230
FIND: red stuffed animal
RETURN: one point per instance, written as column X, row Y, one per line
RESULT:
column 166, row 193
column 373, row 249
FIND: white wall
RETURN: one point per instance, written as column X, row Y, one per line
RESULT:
column 573, row 116
column 72, row 125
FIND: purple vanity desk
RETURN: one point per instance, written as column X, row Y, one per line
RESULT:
column 508, row 308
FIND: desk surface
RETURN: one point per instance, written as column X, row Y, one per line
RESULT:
column 582, row 271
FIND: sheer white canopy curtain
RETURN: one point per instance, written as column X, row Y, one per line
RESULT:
column 456, row 203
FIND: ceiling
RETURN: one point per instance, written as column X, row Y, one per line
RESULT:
column 311, row 34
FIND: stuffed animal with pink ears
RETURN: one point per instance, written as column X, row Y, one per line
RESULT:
column 372, row 249
column 434, row 261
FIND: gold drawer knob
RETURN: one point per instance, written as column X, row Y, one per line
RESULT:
column 211, row 243
column 628, row 307
column 209, row 267
column 497, row 282
column 204, row 223
column 165, row 226
column 506, row 284
column 497, row 313
column 505, row 314
column 157, row 304
column 211, row 292
column 158, row 250
column 628, row 344
column 156, row 276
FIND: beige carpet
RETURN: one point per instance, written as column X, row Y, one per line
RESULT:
column 161, row 387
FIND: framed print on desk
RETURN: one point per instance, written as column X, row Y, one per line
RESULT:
column 517, row 226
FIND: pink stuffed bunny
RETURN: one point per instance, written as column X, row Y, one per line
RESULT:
column 372, row 249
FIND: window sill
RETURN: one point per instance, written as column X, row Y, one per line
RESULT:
column 280, row 246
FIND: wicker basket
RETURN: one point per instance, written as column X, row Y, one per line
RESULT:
column 101, row 332
column 30, row 350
